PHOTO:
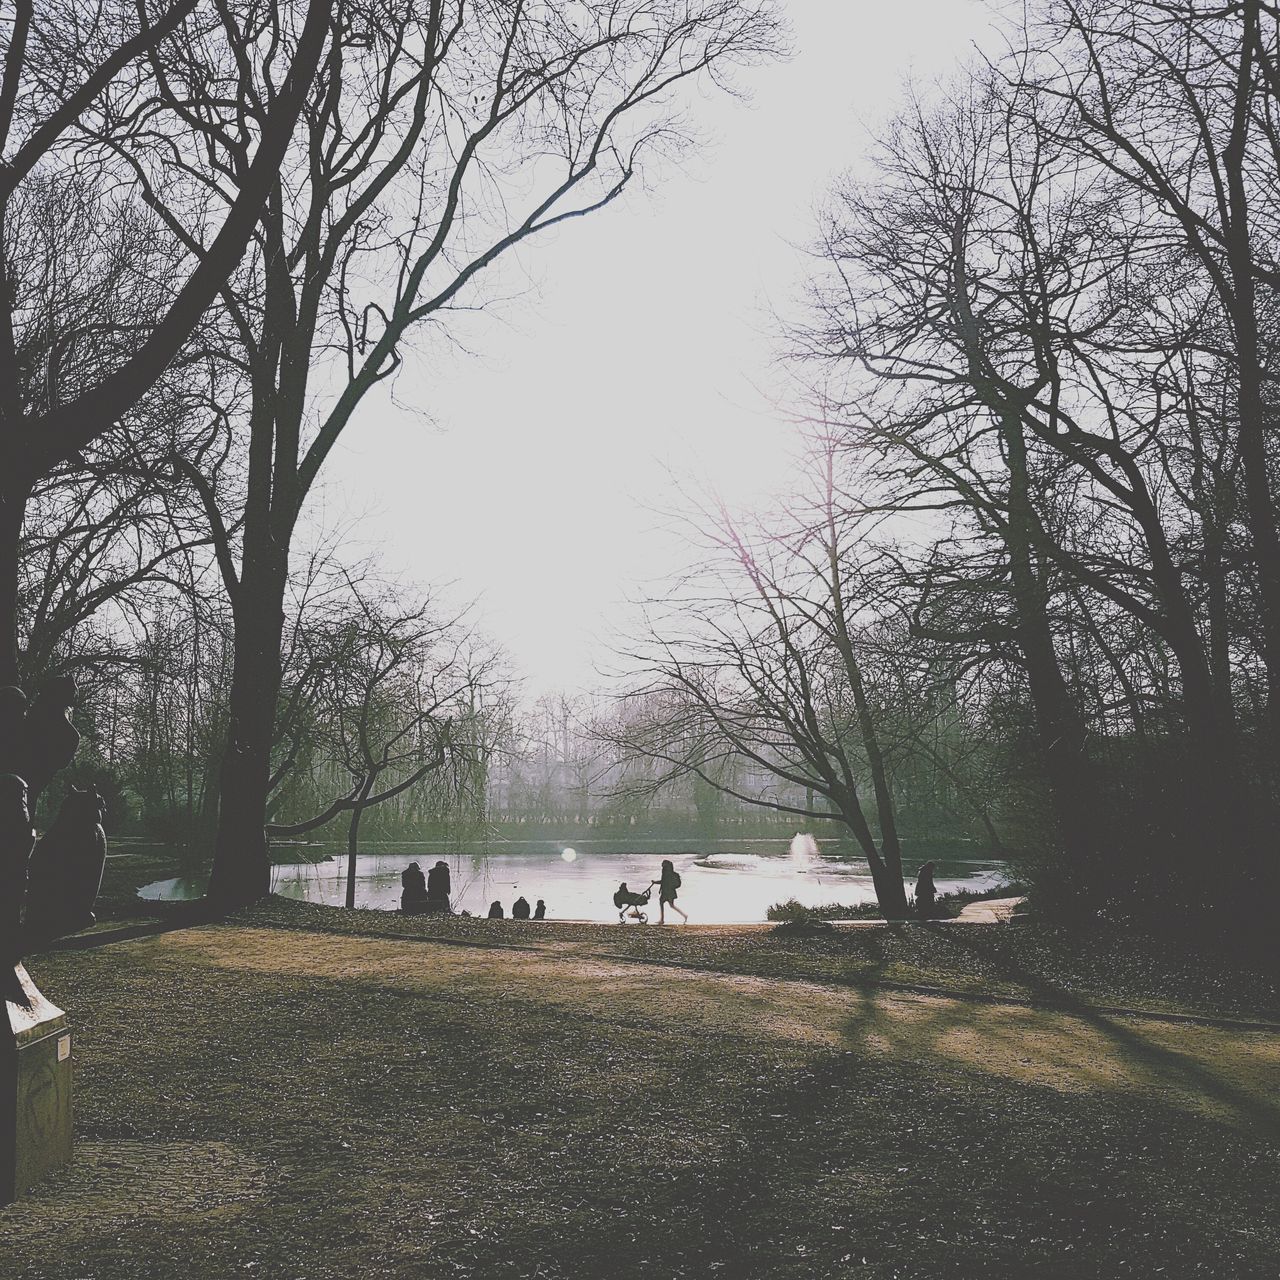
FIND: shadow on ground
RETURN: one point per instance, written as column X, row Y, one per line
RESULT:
column 399, row 1109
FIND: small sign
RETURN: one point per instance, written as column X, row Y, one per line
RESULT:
column 64, row 1048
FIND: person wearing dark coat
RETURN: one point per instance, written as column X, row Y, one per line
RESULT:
column 520, row 908
column 926, row 891
column 668, row 884
column 413, row 890
column 540, row 911
column 438, row 889
column 495, row 911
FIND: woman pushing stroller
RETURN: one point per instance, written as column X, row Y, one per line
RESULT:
column 667, row 884
column 629, row 902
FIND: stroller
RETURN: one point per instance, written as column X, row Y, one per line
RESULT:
column 628, row 902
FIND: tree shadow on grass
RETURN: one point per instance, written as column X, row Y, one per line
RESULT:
column 1141, row 1057
column 881, row 1164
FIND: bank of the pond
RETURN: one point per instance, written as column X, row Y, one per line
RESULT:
column 1102, row 965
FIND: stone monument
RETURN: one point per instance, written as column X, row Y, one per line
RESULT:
column 47, row 890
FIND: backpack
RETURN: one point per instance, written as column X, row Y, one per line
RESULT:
column 675, row 880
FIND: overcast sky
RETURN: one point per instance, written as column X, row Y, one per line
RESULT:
column 640, row 349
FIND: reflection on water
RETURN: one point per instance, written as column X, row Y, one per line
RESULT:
column 732, row 884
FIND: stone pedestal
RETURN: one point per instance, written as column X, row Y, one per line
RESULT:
column 35, row 1089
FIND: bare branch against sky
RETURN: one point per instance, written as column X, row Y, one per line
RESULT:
column 642, row 347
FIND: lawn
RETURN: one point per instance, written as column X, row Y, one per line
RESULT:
column 305, row 1093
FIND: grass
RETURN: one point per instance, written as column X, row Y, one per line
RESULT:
column 476, row 1099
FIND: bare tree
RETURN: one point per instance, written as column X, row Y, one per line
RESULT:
column 756, row 661
column 393, row 684
column 58, row 81
column 1005, row 354
column 1177, row 102
column 437, row 140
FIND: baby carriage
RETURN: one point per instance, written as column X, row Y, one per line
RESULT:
column 627, row 901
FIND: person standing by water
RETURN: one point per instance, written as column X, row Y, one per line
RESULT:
column 926, row 891
column 413, row 890
column 667, row 886
column 438, row 890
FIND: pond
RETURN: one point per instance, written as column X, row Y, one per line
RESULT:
column 724, row 881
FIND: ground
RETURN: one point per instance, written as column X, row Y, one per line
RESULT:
column 304, row 1092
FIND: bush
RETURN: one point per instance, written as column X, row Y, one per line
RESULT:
column 794, row 911
column 946, row 906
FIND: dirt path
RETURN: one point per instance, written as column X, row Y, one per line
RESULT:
column 1228, row 1073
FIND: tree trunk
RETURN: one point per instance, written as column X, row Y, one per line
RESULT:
column 353, row 846
column 1067, row 768
column 891, row 893
column 241, row 863
column 1242, row 308
column 13, row 507
column 892, row 896
column 353, row 839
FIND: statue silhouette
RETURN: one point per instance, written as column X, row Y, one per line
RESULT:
column 51, row 738
column 16, row 842
column 43, row 894
column 66, row 869
column 13, row 737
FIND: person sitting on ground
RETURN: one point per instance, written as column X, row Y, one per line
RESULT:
column 438, row 888
column 926, row 891
column 540, row 911
column 667, row 886
column 413, row 890
column 495, row 911
column 520, row 908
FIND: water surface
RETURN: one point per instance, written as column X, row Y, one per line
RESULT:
column 725, row 881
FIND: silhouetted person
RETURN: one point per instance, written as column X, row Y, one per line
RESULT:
column 926, row 891
column 668, row 883
column 413, row 890
column 495, row 911
column 438, row 890
column 520, row 908
column 540, row 911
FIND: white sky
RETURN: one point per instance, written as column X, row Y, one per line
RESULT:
column 643, row 351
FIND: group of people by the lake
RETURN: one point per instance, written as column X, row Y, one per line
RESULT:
column 519, row 910
column 425, row 895
column 429, row 895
